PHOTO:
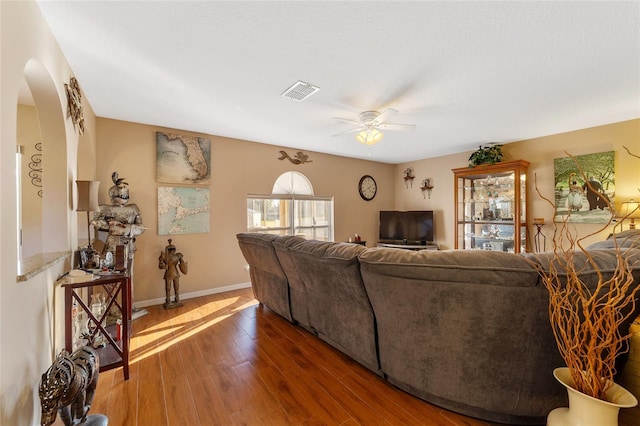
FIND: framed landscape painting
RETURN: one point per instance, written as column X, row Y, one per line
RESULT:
column 584, row 192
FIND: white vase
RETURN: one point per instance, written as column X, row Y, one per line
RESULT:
column 585, row 410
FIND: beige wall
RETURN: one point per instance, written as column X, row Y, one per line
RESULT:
column 238, row 168
column 31, row 310
column 441, row 201
column 540, row 152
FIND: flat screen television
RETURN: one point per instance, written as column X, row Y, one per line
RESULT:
column 406, row 227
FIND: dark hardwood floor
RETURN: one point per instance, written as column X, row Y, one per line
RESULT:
column 225, row 360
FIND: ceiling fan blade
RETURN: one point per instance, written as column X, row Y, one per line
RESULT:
column 390, row 126
column 386, row 114
column 357, row 129
column 357, row 123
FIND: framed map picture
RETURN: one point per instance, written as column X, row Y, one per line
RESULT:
column 585, row 197
column 182, row 159
column 183, row 210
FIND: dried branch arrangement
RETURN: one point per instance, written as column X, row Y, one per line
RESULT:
column 587, row 322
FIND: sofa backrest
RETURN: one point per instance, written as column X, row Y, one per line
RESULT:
column 459, row 266
column 268, row 280
column 464, row 328
column 339, row 309
column 598, row 266
column 322, row 263
column 297, row 290
column 590, row 265
column 624, row 239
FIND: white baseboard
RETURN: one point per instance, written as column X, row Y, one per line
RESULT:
column 184, row 296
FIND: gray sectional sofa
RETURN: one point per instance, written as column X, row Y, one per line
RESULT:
column 464, row 330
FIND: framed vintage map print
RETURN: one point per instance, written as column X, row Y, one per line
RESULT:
column 182, row 159
column 183, row 210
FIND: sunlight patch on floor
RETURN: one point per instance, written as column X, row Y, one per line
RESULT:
column 167, row 333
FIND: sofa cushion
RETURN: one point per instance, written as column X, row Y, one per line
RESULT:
column 467, row 330
column 338, row 306
column 255, row 246
column 590, row 264
column 268, row 280
column 297, row 291
column 329, row 250
column 472, row 266
column 625, row 239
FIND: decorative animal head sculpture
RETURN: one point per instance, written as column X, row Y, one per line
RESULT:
column 55, row 387
column 68, row 386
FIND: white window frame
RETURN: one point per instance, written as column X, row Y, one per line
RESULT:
column 307, row 231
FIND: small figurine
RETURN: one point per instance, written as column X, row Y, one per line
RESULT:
column 172, row 261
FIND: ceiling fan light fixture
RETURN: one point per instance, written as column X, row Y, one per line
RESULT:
column 369, row 136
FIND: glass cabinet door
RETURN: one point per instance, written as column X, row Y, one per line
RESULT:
column 490, row 207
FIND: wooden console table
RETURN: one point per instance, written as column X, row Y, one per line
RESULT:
column 114, row 350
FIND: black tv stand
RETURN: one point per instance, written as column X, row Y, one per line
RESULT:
column 415, row 247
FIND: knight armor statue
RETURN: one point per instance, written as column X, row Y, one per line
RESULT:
column 122, row 221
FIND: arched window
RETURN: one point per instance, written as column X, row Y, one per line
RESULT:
column 292, row 183
column 291, row 209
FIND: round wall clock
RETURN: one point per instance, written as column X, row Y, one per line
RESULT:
column 367, row 187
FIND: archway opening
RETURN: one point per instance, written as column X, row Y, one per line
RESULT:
column 44, row 198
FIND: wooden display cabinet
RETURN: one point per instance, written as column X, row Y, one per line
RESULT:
column 105, row 327
column 490, row 206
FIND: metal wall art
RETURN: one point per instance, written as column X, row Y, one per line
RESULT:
column 74, row 104
column 35, row 168
column 408, row 177
column 299, row 157
column 427, row 185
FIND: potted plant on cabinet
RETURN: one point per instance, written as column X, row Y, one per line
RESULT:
column 491, row 154
column 590, row 310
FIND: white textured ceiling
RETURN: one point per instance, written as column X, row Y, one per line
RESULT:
column 466, row 73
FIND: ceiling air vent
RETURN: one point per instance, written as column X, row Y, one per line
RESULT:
column 300, row 91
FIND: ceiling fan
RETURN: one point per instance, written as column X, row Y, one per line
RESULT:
column 370, row 125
